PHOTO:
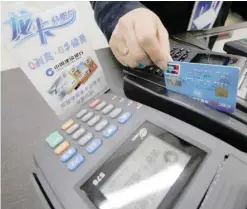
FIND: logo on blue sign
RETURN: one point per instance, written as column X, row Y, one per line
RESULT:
column 25, row 27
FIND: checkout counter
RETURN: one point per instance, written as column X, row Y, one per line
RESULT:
column 147, row 158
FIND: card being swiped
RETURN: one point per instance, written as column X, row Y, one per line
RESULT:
column 214, row 85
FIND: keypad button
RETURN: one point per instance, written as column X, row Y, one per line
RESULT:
column 124, row 117
column 100, row 106
column 181, row 49
column 108, row 108
column 159, row 72
column 86, row 117
column 75, row 162
column 67, row 124
column 173, row 53
column 94, row 120
column 177, row 55
column 151, row 69
column 115, row 112
column 93, row 146
column 62, row 147
column 187, row 51
column 68, row 154
column 110, row 130
column 54, row 139
column 184, row 56
column 72, row 128
column 85, row 139
column 78, row 133
column 94, row 103
column 174, row 48
column 101, row 125
column 81, row 113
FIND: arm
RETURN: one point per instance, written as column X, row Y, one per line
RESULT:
column 107, row 13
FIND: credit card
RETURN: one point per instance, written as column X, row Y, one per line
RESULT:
column 214, row 85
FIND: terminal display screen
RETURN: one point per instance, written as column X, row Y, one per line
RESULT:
column 145, row 177
column 148, row 171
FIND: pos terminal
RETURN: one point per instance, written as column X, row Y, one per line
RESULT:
column 116, row 153
column 149, row 89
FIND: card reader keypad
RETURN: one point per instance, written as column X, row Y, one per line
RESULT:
column 80, row 138
column 177, row 53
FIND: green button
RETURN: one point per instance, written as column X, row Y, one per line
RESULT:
column 54, row 139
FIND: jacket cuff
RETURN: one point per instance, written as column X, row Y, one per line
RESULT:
column 107, row 14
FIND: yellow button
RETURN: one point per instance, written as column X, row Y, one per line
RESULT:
column 67, row 124
column 62, row 147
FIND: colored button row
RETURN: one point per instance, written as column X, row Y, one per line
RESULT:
column 98, row 105
column 95, row 120
column 62, row 148
column 110, row 130
column 85, row 137
column 68, row 153
column 106, row 109
column 76, row 161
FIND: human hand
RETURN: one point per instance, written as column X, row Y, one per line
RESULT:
column 140, row 38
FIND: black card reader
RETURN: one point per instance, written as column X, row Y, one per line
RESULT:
column 238, row 47
column 186, row 53
column 231, row 129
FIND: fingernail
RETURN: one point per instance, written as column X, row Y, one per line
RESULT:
column 162, row 65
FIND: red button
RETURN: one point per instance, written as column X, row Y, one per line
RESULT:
column 94, row 103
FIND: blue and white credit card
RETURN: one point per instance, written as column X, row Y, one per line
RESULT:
column 214, row 85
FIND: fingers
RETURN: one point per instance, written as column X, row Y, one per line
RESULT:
column 136, row 53
column 120, row 49
column 120, row 41
column 150, row 40
column 140, row 38
column 164, row 41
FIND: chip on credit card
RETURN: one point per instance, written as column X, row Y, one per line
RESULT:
column 214, row 85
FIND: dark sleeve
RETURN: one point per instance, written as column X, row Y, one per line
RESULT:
column 107, row 13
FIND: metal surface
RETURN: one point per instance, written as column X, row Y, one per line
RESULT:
column 218, row 30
